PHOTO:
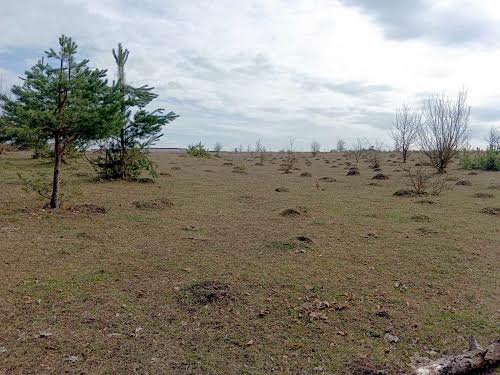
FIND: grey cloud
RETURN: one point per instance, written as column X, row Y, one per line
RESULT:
column 353, row 115
column 486, row 113
column 420, row 19
column 352, row 88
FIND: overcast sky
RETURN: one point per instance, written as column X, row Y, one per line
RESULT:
column 236, row 71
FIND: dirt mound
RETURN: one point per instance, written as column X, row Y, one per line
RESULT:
column 154, row 204
column 145, row 180
column 290, row 212
column 464, row 183
column 380, row 176
column 427, row 230
column 238, row 169
column 472, row 173
column 421, row 218
column 208, row 292
column 365, row 367
column 326, row 179
column 282, row 189
column 405, row 193
column 491, row 211
column 483, row 195
column 86, row 208
column 305, row 174
column 425, row 201
column 353, row 172
column 304, row 239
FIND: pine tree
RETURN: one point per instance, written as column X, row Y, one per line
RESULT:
column 65, row 104
column 126, row 153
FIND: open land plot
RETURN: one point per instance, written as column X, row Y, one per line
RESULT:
column 205, row 272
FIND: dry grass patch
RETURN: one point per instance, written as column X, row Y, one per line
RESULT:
column 154, row 204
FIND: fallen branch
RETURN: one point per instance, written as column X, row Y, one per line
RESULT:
column 476, row 358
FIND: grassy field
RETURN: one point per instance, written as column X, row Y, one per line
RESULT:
column 200, row 273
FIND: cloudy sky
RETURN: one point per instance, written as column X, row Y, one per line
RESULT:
column 237, row 71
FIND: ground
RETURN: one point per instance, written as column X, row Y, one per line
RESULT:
column 201, row 272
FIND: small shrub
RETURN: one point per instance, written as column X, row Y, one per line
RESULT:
column 198, row 150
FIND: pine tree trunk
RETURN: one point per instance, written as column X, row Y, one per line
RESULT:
column 56, row 182
column 122, row 154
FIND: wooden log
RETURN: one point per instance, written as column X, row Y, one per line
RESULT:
column 476, row 358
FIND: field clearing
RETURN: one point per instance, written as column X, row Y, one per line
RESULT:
column 199, row 273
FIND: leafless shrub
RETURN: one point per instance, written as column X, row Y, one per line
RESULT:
column 359, row 147
column 315, row 147
column 289, row 162
column 217, row 148
column 444, row 129
column 259, row 147
column 423, row 184
column 291, row 158
column 340, row 145
column 418, row 181
column 493, row 139
column 405, row 130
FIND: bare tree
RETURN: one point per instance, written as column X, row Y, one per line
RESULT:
column 258, row 146
column 359, row 147
column 315, row 147
column 405, row 130
column 493, row 139
column 261, row 150
column 217, row 148
column 444, row 129
column 340, row 145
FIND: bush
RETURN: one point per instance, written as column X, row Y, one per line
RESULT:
column 113, row 166
column 490, row 161
column 198, row 151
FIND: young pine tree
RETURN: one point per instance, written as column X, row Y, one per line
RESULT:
column 126, row 152
column 62, row 102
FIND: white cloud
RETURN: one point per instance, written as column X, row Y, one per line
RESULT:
column 237, row 71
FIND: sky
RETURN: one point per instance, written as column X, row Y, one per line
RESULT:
column 239, row 71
